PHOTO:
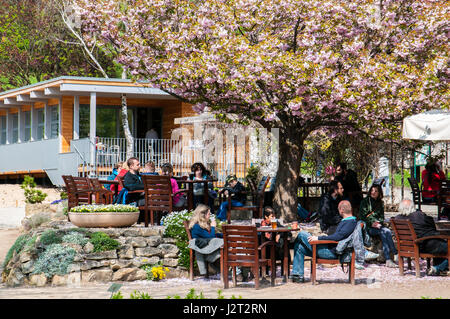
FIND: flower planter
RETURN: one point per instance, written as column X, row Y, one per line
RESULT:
column 103, row 219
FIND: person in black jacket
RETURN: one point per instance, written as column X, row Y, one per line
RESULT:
column 349, row 180
column 302, row 246
column 235, row 190
column 424, row 226
column 132, row 181
column 328, row 207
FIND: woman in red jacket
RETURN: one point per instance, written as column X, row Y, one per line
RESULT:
column 431, row 177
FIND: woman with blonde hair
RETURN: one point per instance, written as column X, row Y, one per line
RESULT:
column 205, row 241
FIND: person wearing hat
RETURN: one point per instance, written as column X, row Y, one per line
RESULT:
column 236, row 190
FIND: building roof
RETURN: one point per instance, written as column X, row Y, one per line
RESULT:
column 81, row 86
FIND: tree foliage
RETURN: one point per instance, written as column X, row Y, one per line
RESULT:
column 297, row 65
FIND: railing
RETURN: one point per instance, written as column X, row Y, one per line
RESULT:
column 109, row 151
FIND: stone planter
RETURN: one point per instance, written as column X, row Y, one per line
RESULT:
column 103, row 219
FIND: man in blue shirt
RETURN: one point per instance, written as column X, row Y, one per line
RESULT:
column 302, row 246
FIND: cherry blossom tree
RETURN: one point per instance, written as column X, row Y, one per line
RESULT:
column 296, row 65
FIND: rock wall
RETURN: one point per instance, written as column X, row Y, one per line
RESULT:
column 138, row 246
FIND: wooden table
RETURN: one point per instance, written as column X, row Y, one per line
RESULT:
column 190, row 187
column 443, row 227
column 112, row 182
column 284, row 231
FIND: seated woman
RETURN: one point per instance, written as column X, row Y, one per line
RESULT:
column 371, row 211
column 200, row 173
column 179, row 200
column 431, row 178
column 205, row 242
column 235, row 190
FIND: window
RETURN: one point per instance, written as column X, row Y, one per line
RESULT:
column 40, row 124
column 27, row 125
column 108, row 121
column 2, row 129
column 15, row 128
column 54, row 122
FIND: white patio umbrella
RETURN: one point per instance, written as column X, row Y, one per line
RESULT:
column 432, row 125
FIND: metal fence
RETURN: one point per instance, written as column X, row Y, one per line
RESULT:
column 109, row 151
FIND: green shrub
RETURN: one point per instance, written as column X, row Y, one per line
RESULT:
column 102, row 242
column 63, row 195
column 17, row 247
column 32, row 195
column 75, row 238
column 174, row 228
column 55, row 260
column 50, row 237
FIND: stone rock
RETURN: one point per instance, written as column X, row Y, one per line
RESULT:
column 168, row 240
column 72, row 279
column 129, row 274
column 101, row 275
column 15, row 278
column 126, row 251
column 151, row 231
column 31, row 209
column 123, row 240
column 130, row 232
column 90, row 264
column 170, row 262
column 120, row 263
column 88, row 248
column 138, row 242
column 38, row 280
column 109, row 254
column 24, row 257
column 76, row 247
column 59, row 280
column 139, row 261
column 148, row 251
column 154, row 241
column 169, row 250
column 27, row 267
column 74, row 267
column 111, row 232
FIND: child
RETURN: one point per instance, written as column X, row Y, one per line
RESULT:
column 178, row 200
column 122, row 171
column 149, row 169
column 114, row 174
column 269, row 214
column 235, row 189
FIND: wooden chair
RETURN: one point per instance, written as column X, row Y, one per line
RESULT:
column 78, row 191
column 241, row 249
column 443, row 200
column 415, row 189
column 408, row 245
column 192, row 255
column 316, row 260
column 257, row 198
column 102, row 195
column 158, row 197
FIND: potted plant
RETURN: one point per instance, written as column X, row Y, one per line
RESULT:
column 91, row 216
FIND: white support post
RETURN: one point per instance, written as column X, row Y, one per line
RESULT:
column 93, row 126
column 21, row 126
column 34, row 123
column 76, row 117
column 60, row 124
column 47, row 121
column 8, row 126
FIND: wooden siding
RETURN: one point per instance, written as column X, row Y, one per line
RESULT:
column 66, row 123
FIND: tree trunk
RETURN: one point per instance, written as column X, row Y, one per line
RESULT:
column 286, row 186
column 126, row 127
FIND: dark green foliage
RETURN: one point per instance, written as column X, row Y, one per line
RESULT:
column 102, row 242
column 32, row 195
column 50, row 237
column 55, row 260
column 18, row 245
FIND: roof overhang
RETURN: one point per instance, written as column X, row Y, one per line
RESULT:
column 79, row 86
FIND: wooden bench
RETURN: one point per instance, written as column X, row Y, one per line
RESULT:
column 408, row 245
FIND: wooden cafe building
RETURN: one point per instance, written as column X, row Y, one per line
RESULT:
column 72, row 125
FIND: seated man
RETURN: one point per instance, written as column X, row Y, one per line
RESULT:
column 328, row 208
column 424, row 226
column 235, row 189
column 132, row 181
column 303, row 248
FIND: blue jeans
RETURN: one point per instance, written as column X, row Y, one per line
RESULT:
column 386, row 240
column 303, row 248
column 222, row 213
